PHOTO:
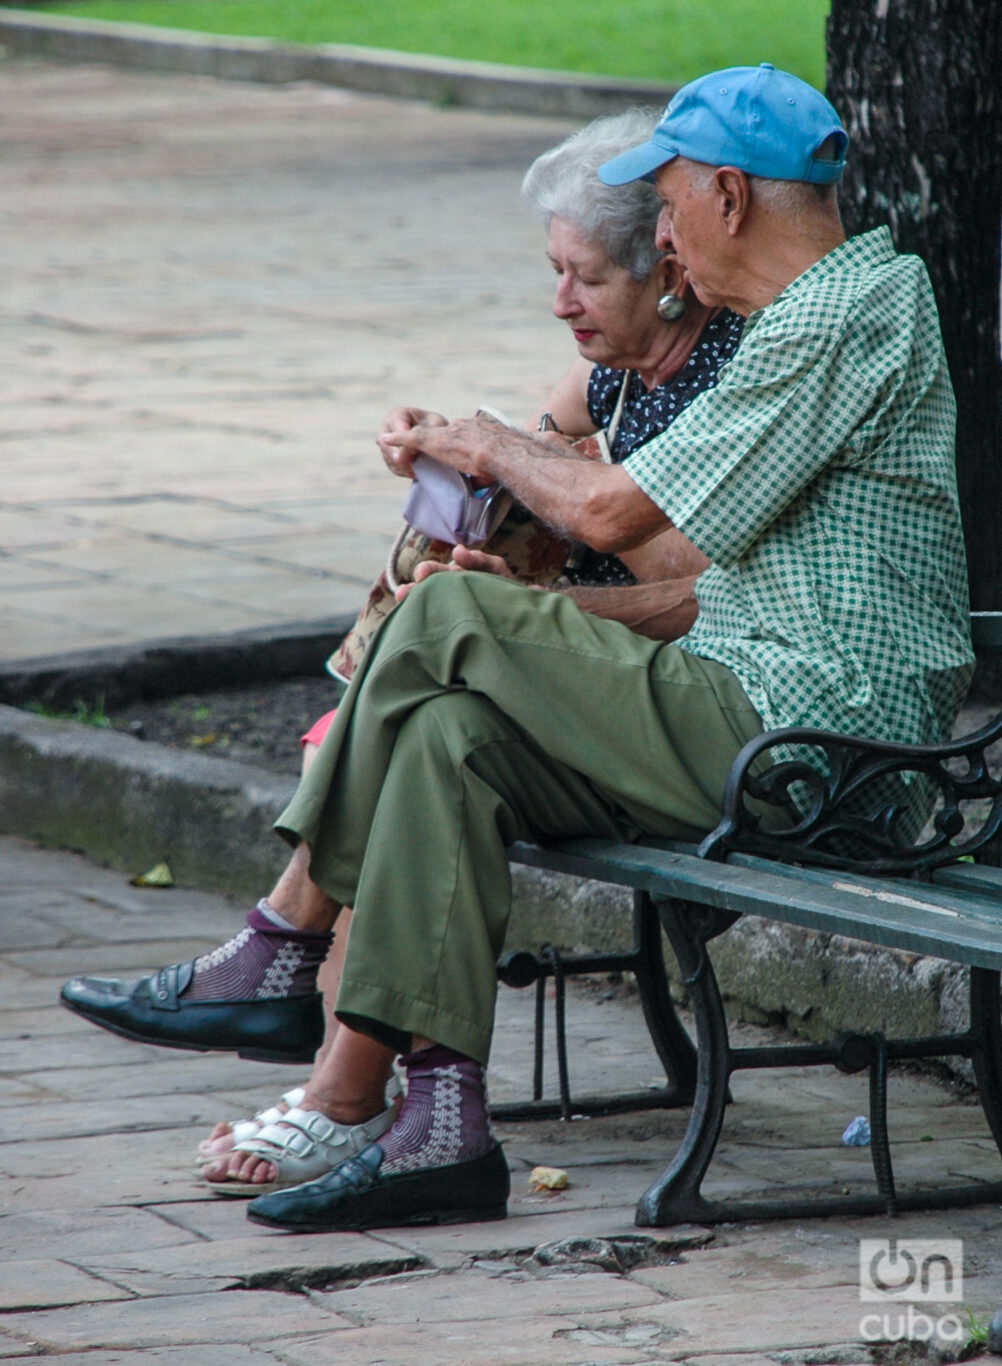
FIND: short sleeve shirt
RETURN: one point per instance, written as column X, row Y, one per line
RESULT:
column 647, row 411
column 818, row 477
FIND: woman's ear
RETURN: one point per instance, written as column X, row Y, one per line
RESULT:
column 672, row 276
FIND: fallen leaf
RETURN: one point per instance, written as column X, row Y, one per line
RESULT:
column 159, row 875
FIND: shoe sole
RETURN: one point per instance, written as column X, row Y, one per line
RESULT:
column 478, row 1215
column 248, row 1054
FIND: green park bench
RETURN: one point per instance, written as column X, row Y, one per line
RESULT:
column 848, row 866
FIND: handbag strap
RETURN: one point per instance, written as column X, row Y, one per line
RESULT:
column 613, row 427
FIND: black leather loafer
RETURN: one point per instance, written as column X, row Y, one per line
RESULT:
column 355, row 1196
column 151, row 1011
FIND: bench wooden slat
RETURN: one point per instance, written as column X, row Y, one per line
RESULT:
column 985, row 907
column 960, row 930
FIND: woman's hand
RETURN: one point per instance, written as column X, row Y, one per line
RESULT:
column 399, row 420
column 475, row 561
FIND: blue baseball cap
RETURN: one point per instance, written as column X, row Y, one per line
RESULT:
column 763, row 121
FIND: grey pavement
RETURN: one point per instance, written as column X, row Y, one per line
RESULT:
column 111, row 1250
column 213, row 292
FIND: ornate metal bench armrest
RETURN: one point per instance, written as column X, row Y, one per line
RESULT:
column 859, row 813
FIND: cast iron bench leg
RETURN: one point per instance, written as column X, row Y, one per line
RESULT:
column 986, row 1053
column 674, row 1198
column 672, row 1044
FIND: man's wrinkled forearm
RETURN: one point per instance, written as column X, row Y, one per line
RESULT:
column 595, row 503
column 661, row 611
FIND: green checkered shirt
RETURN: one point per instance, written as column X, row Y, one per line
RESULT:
column 818, row 477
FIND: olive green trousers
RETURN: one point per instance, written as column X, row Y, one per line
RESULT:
column 486, row 712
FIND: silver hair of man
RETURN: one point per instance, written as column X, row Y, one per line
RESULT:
column 792, row 199
column 563, row 183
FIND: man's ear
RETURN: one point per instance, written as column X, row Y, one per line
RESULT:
column 733, row 198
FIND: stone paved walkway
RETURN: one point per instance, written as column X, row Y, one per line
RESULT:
column 212, row 294
column 110, row 1251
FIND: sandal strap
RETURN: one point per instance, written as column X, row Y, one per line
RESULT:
column 290, row 1100
column 300, row 1132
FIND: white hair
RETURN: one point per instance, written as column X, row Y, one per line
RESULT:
column 793, row 199
column 563, row 183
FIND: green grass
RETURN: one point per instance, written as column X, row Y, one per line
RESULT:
column 84, row 713
column 663, row 40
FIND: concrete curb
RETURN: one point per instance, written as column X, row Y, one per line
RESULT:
column 441, row 80
column 130, row 804
column 165, row 668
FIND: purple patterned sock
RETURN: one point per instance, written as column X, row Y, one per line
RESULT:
column 261, row 963
column 444, row 1118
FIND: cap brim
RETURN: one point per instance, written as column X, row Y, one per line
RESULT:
column 638, row 163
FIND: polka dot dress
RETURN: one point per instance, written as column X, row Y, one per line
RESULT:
column 647, row 412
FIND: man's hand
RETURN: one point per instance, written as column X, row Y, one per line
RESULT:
column 591, row 502
column 463, row 558
column 397, row 422
column 471, row 445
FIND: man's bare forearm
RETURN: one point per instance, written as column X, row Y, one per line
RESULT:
column 595, row 503
column 662, row 611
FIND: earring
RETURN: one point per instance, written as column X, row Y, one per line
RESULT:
column 670, row 308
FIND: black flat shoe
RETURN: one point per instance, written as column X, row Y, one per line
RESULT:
column 355, row 1196
column 150, row 1011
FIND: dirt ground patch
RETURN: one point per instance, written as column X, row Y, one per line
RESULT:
column 257, row 725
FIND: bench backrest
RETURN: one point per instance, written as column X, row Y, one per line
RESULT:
column 853, row 810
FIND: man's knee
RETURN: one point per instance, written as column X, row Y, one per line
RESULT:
column 455, row 724
column 452, row 596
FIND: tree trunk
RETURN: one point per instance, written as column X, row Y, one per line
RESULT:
column 917, row 83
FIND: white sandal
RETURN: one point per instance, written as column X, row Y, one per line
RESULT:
column 301, row 1146
column 249, row 1128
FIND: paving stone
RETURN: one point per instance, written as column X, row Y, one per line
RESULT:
column 504, row 1295
column 79, row 1233
column 29, row 933
column 99, row 1180
column 20, row 1092
column 104, row 924
column 259, row 1317
column 256, row 1258
column 454, row 1245
column 736, row 1321
column 488, row 1342
column 173, row 1071
column 101, row 960
column 28, row 1283
column 21, row 988
column 223, row 1354
column 40, row 1021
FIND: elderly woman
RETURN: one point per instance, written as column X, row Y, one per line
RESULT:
column 647, row 347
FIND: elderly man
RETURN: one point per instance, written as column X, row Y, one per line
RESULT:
column 818, row 480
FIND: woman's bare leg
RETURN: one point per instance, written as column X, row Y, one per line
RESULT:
column 220, row 1140
column 347, row 1086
